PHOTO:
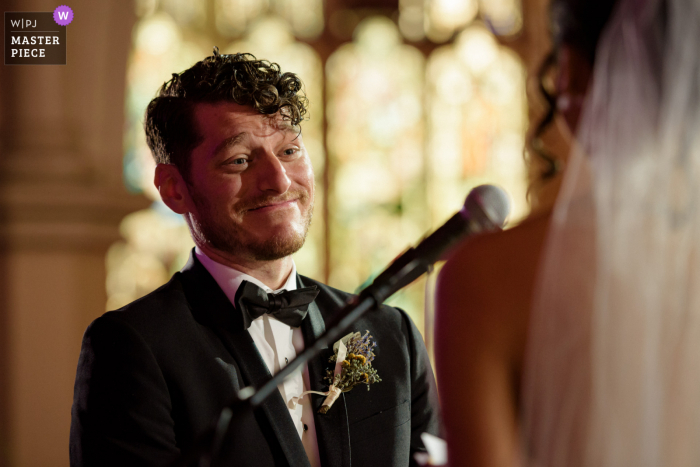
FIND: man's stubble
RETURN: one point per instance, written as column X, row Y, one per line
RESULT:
column 217, row 229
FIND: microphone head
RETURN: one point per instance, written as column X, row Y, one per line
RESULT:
column 491, row 201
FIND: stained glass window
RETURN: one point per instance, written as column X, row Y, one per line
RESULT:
column 504, row 17
column 444, row 17
column 439, row 20
column 375, row 144
column 476, row 122
column 303, row 17
column 400, row 169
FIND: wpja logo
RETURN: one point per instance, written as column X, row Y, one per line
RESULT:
column 36, row 38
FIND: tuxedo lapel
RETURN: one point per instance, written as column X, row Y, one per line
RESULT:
column 332, row 431
column 210, row 306
column 255, row 373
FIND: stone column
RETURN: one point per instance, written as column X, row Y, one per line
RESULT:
column 61, row 202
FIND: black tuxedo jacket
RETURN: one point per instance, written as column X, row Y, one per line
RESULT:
column 155, row 374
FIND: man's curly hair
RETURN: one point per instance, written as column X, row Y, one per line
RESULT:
column 171, row 131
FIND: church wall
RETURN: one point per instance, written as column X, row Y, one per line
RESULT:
column 61, row 201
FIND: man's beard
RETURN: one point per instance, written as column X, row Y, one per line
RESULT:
column 217, row 229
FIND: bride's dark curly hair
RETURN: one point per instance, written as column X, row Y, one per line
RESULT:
column 579, row 24
column 171, row 132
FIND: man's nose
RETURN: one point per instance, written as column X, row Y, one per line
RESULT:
column 272, row 174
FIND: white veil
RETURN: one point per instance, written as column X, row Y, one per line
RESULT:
column 612, row 373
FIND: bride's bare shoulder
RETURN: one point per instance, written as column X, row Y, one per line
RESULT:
column 494, row 273
column 506, row 254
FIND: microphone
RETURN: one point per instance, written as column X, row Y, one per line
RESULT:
column 485, row 209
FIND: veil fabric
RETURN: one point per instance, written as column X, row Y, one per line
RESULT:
column 612, row 371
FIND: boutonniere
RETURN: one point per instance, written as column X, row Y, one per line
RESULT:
column 353, row 356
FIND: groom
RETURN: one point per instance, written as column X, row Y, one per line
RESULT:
column 154, row 375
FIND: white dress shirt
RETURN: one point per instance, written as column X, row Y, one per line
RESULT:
column 278, row 344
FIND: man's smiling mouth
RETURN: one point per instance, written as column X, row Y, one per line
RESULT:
column 277, row 204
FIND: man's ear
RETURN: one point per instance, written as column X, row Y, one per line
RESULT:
column 172, row 188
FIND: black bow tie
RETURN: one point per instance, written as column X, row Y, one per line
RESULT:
column 289, row 307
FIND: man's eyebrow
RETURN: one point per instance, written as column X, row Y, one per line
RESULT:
column 230, row 141
column 286, row 126
column 289, row 128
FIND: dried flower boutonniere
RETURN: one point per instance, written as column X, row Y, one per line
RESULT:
column 353, row 358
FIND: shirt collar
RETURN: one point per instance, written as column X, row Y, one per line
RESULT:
column 229, row 279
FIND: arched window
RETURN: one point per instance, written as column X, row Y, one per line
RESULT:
column 476, row 121
column 375, row 146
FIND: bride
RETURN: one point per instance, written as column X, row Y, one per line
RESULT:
column 574, row 338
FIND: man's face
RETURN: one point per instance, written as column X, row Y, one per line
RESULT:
column 251, row 183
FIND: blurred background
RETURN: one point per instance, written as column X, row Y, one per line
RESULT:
column 413, row 103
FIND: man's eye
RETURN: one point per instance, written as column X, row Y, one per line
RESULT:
column 238, row 161
column 290, row 151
